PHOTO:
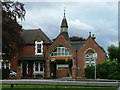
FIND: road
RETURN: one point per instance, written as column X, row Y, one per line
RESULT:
column 97, row 83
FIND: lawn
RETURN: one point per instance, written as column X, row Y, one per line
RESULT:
column 7, row 87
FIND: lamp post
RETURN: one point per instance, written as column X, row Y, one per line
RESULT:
column 95, row 57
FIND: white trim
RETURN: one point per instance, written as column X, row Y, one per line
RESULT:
column 36, row 42
column 90, row 61
column 4, row 64
column 21, row 67
column 27, row 67
column 38, row 72
column 61, row 51
column 89, row 49
column 1, row 64
column 9, row 65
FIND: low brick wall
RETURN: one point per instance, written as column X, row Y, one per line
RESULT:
column 62, row 73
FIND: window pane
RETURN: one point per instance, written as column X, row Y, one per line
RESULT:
column 36, row 66
column 61, row 51
column 2, row 65
column 58, row 50
column 38, row 45
column 89, row 58
column 38, row 48
column 7, row 65
column 41, row 66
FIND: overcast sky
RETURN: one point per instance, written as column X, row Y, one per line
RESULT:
column 100, row 18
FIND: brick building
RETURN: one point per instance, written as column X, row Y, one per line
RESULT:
column 53, row 59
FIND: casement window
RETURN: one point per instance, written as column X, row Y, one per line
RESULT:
column 38, row 67
column 38, row 48
column 89, row 60
column 5, row 64
column 61, row 51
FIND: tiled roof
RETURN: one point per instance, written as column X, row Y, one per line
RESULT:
column 31, row 57
column 31, row 35
column 77, row 44
column 65, row 34
column 64, row 22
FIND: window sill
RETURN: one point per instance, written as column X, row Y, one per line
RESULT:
column 38, row 72
column 38, row 54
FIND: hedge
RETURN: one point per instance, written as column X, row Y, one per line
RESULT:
column 106, row 70
column 5, row 73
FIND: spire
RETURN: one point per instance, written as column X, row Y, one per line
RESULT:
column 64, row 27
column 64, row 21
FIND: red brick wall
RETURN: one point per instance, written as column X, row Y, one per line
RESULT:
column 13, row 62
column 61, row 73
column 90, row 43
column 28, row 50
column 60, row 40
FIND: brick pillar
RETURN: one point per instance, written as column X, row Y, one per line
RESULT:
column 74, row 73
column 18, row 72
column 47, row 69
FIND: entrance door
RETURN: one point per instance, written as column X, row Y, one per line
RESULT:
column 24, row 69
column 53, row 69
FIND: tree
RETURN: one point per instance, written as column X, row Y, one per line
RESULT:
column 11, row 37
column 113, row 52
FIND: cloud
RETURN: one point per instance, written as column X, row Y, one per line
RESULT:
column 98, row 18
column 77, row 24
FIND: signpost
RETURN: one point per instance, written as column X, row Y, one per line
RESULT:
column 95, row 57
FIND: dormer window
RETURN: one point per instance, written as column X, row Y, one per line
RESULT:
column 38, row 48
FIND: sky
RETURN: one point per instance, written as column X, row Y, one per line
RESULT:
column 99, row 18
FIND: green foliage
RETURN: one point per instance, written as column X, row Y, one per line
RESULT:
column 89, row 72
column 5, row 73
column 106, row 70
column 113, row 52
column 11, row 37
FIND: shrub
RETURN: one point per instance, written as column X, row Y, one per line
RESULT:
column 5, row 73
column 89, row 72
column 106, row 70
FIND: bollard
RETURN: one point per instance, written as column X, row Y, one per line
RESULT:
column 12, row 85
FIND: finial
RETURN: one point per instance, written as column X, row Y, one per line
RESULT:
column 89, row 34
column 64, row 11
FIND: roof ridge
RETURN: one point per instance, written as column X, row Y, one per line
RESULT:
column 31, row 29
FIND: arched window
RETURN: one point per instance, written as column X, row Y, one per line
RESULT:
column 89, row 59
column 61, row 51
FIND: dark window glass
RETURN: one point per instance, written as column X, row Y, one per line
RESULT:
column 2, row 65
column 7, row 65
column 36, row 66
column 38, row 48
column 41, row 66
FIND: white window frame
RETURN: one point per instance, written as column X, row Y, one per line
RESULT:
column 1, row 64
column 5, row 64
column 38, row 72
column 90, row 61
column 65, row 53
column 36, row 43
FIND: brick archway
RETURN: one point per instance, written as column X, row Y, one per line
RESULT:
column 60, row 40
